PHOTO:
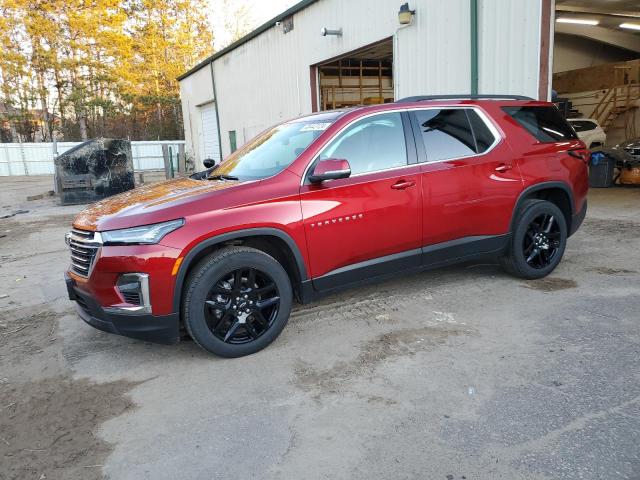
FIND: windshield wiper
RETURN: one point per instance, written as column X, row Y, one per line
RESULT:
column 222, row 177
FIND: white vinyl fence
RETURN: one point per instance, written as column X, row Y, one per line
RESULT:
column 37, row 158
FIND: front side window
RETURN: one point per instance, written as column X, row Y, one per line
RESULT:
column 272, row 151
column 546, row 124
column 371, row 144
column 450, row 133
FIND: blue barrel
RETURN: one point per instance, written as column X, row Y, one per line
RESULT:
column 601, row 170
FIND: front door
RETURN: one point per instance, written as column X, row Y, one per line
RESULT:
column 370, row 223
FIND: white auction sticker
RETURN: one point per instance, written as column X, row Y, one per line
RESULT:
column 313, row 127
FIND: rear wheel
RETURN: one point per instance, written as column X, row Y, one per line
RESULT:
column 537, row 242
column 237, row 301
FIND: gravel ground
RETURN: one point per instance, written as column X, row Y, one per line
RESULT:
column 458, row 373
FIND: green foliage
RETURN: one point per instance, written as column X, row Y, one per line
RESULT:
column 86, row 68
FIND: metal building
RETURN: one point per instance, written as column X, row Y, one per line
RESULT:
column 323, row 54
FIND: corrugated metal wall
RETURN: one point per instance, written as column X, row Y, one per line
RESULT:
column 432, row 56
column 37, row 158
column 509, row 46
column 267, row 79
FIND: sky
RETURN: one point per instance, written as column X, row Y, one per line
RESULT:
column 261, row 11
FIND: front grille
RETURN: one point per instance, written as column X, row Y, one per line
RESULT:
column 84, row 246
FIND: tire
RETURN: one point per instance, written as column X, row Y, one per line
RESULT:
column 529, row 236
column 233, row 314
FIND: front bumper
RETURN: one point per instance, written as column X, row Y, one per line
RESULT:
column 152, row 328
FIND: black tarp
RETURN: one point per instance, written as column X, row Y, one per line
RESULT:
column 94, row 170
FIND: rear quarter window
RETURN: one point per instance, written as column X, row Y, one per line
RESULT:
column 546, row 124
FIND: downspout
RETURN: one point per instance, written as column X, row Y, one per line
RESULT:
column 215, row 103
column 394, row 62
column 474, row 46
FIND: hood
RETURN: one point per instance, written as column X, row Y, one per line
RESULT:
column 633, row 143
column 141, row 206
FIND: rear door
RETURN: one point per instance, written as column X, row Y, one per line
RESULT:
column 469, row 179
column 370, row 223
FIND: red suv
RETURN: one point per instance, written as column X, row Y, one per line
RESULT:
column 326, row 201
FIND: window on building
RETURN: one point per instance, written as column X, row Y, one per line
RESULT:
column 287, row 24
column 371, row 144
column 232, row 141
column 546, row 124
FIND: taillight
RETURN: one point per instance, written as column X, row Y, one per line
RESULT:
column 581, row 154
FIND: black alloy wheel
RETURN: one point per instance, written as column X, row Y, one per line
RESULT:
column 236, row 301
column 242, row 305
column 537, row 240
column 541, row 241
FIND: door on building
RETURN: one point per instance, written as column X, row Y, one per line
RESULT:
column 361, row 77
column 469, row 180
column 376, row 212
column 209, row 141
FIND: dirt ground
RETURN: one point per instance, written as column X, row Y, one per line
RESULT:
column 48, row 419
column 457, row 373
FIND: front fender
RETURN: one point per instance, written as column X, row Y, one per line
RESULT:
column 193, row 253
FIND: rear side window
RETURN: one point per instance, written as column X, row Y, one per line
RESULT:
column 582, row 125
column 452, row 133
column 544, row 123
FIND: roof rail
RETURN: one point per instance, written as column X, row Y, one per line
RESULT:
column 462, row 96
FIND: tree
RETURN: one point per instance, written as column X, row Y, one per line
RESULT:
column 238, row 19
column 87, row 68
column 172, row 36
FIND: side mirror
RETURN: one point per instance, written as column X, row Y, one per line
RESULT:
column 209, row 162
column 330, row 169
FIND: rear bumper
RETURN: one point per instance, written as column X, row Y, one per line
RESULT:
column 577, row 219
column 152, row 328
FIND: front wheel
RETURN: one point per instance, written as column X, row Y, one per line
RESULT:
column 237, row 301
column 537, row 242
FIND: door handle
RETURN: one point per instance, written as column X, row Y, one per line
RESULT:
column 403, row 184
column 503, row 167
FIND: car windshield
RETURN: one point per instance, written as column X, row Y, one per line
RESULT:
column 272, row 151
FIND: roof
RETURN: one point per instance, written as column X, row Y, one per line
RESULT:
column 261, row 29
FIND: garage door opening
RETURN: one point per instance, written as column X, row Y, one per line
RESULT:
column 362, row 77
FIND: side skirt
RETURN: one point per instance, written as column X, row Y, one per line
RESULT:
column 403, row 263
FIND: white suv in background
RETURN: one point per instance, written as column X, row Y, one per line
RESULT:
column 589, row 131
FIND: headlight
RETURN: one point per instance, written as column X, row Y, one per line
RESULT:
column 146, row 234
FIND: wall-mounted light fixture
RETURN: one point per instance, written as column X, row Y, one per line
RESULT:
column 324, row 31
column 630, row 26
column 405, row 15
column 578, row 21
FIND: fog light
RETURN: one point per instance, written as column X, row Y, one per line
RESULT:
column 134, row 289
